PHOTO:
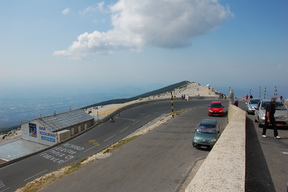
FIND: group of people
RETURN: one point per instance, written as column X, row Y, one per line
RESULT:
column 247, row 97
column 269, row 115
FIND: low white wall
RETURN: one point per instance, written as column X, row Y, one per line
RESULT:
column 224, row 167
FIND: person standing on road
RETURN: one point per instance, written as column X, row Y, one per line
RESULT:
column 270, row 119
column 236, row 101
column 281, row 99
column 231, row 96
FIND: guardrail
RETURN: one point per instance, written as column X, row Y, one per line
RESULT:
column 224, row 167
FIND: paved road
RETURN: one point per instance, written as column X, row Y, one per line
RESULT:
column 157, row 161
column 95, row 140
column 267, row 159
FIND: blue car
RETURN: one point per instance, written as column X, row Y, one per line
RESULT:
column 206, row 134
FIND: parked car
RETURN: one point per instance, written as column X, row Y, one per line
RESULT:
column 251, row 105
column 216, row 109
column 281, row 113
column 206, row 134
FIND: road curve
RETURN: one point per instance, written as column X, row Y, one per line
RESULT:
column 95, row 140
column 157, row 161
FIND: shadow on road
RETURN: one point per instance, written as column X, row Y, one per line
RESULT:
column 258, row 177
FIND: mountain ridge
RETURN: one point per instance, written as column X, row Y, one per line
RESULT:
column 178, row 89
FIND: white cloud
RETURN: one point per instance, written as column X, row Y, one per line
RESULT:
column 158, row 23
column 93, row 9
column 65, row 11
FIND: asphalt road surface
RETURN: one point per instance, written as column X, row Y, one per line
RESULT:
column 159, row 160
column 266, row 159
column 95, row 140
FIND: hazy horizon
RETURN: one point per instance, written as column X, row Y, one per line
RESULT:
column 28, row 103
column 52, row 48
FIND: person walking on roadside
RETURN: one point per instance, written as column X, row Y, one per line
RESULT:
column 270, row 119
column 231, row 96
column 236, row 101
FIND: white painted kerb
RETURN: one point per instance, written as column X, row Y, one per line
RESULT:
column 224, row 167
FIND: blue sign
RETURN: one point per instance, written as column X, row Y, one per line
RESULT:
column 48, row 139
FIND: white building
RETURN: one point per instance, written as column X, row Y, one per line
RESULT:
column 56, row 128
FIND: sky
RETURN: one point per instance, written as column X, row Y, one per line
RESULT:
column 49, row 45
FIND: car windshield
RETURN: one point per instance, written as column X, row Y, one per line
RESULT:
column 264, row 105
column 254, row 101
column 216, row 105
column 204, row 128
column 280, row 106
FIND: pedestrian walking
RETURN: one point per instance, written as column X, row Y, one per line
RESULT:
column 270, row 119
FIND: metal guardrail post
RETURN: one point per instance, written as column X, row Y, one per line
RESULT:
column 172, row 104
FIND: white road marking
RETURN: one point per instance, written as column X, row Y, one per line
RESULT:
column 285, row 153
column 80, row 136
column 35, row 175
column 124, row 129
column 147, row 116
column 2, row 185
column 135, row 122
column 7, row 166
column 5, row 189
column 109, row 138
column 89, row 148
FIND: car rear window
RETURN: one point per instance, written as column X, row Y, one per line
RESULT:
column 203, row 128
column 216, row 105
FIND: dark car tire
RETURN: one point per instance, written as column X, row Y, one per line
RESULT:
column 194, row 144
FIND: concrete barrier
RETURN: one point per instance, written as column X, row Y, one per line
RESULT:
column 224, row 167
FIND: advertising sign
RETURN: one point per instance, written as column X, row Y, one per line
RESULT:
column 32, row 130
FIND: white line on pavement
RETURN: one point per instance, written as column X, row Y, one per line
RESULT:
column 80, row 135
column 147, row 116
column 89, row 148
column 109, row 138
column 5, row 189
column 35, row 175
column 135, row 122
column 124, row 129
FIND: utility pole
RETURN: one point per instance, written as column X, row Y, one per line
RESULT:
column 172, row 104
column 275, row 92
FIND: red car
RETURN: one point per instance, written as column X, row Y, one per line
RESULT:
column 216, row 108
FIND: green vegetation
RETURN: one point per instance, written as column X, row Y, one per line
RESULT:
column 119, row 144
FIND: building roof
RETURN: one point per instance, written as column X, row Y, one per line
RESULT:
column 63, row 120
